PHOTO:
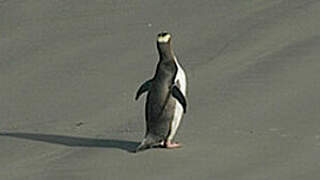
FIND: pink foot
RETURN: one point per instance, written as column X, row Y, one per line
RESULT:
column 172, row 145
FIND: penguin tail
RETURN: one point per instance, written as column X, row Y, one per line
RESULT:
column 147, row 143
column 141, row 147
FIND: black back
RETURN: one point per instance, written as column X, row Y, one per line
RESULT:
column 160, row 103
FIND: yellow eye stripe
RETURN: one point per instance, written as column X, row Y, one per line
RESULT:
column 164, row 39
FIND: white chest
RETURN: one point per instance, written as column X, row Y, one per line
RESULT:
column 181, row 78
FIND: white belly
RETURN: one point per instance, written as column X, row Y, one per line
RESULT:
column 181, row 78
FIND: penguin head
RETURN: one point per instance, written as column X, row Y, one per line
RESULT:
column 164, row 37
column 164, row 46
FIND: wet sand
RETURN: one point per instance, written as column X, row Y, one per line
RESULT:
column 69, row 71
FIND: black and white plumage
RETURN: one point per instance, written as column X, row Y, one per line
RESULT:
column 166, row 99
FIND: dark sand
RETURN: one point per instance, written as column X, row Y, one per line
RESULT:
column 69, row 71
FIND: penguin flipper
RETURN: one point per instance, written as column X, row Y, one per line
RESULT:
column 176, row 93
column 143, row 88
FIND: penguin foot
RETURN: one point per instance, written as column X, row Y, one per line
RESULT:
column 173, row 145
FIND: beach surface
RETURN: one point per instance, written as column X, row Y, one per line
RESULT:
column 69, row 71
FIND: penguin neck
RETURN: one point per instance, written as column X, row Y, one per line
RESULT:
column 165, row 51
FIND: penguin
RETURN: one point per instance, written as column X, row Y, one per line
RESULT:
column 166, row 98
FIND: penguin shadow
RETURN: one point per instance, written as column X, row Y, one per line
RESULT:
column 72, row 141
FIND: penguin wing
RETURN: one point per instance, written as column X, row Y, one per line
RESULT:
column 176, row 93
column 143, row 88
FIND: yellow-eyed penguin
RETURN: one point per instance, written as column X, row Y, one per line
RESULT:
column 166, row 98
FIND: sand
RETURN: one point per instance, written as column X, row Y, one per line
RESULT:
column 69, row 71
